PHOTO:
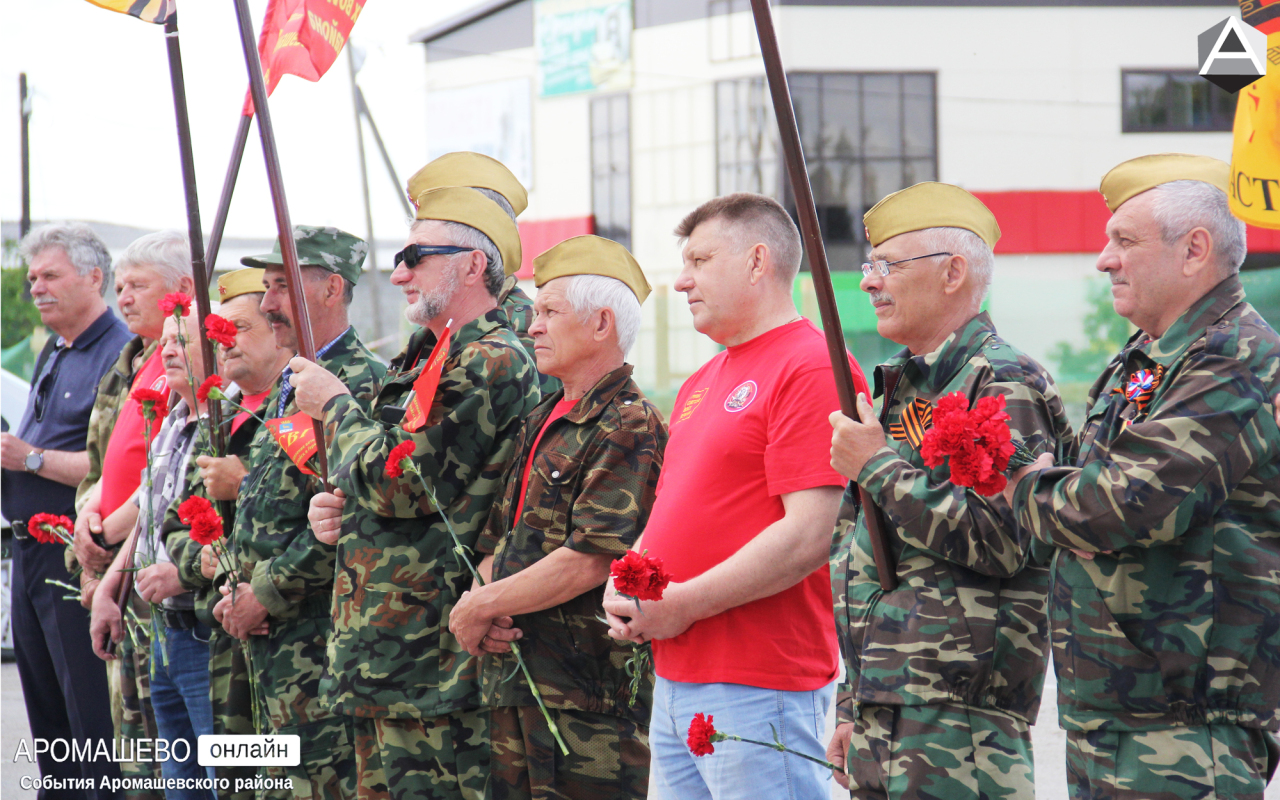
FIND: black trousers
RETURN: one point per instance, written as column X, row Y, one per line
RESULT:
column 63, row 683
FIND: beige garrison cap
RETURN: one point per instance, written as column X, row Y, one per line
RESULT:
column 591, row 255
column 469, row 169
column 469, row 207
column 930, row 205
column 1135, row 176
column 246, row 280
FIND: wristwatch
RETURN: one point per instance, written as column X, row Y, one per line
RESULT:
column 34, row 461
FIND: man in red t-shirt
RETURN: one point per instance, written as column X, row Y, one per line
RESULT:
column 743, row 520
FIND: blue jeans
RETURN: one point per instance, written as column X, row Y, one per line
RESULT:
column 180, row 698
column 737, row 770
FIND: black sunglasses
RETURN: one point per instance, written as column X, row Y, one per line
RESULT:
column 46, row 384
column 414, row 253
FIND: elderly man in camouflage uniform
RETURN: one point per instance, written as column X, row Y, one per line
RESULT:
column 282, row 606
column 944, row 673
column 577, row 496
column 491, row 178
column 393, row 664
column 1166, row 510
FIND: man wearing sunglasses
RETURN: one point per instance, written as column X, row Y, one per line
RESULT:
column 943, row 674
column 413, row 689
column 65, row 692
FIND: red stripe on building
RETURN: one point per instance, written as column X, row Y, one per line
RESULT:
column 541, row 235
column 1069, row 222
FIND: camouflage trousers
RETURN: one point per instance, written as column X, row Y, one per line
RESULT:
column 434, row 758
column 1203, row 762
column 328, row 767
column 229, row 693
column 136, row 720
column 608, row 756
column 942, row 750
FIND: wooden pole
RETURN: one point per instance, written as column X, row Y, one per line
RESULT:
column 284, row 228
column 24, row 112
column 375, row 301
column 363, row 108
column 200, row 270
column 793, row 155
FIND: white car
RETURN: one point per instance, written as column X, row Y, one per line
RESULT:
column 13, row 403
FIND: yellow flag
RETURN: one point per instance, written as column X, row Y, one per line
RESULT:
column 1255, row 149
column 156, row 11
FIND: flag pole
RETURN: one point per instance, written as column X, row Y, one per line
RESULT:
column 284, row 228
column 374, row 300
column 200, row 269
column 24, row 112
column 228, row 188
column 363, row 108
column 793, row 155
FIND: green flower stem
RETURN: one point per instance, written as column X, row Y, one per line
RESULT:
column 779, row 746
column 148, row 417
column 217, row 394
column 460, row 552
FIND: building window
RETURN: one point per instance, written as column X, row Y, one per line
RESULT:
column 1169, row 101
column 732, row 30
column 611, row 167
column 865, row 135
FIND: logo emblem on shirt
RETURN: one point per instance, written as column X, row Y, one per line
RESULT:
column 160, row 384
column 741, row 397
column 286, row 427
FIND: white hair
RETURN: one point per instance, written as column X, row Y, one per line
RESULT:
column 499, row 198
column 1178, row 207
column 83, row 248
column 467, row 236
column 590, row 293
column 964, row 242
column 165, row 252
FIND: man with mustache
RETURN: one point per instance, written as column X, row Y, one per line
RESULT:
column 410, row 685
column 64, row 689
column 287, row 579
column 943, row 674
column 1165, row 509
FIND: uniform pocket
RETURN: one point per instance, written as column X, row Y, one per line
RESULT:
column 327, row 767
column 394, row 640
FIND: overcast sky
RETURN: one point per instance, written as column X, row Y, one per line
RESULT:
column 103, row 140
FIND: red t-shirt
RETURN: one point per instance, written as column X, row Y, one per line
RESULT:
column 251, row 402
column 748, row 427
column 126, row 454
column 561, row 408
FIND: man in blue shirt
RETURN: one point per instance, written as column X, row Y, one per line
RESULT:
column 65, row 688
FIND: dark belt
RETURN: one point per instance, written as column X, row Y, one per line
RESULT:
column 177, row 618
column 19, row 528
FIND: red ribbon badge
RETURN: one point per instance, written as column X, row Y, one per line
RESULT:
column 424, row 388
column 297, row 436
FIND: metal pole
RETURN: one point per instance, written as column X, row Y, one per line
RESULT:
column 793, row 154
column 24, row 110
column 374, row 299
column 363, row 108
column 284, row 228
column 200, row 271
column 228, row 188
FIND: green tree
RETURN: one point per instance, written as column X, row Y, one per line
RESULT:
column 20, row 315
column 1105, row 333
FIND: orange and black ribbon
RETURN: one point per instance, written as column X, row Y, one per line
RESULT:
column 1141, row 387
column 913, row 422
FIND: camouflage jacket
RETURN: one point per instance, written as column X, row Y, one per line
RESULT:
column 592, row 484
column 113, row 391
column 967, row 621
column 1174, row 622
column 518, row 307
column 398, row 577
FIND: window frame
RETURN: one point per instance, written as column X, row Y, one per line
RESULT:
column 1167, row 73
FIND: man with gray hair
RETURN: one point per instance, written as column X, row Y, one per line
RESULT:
column 1165, row 512
column 943, row 673
column 420, row 729
column 65, row 693
column 576, row 496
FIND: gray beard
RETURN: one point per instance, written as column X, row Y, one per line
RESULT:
column 432, row 304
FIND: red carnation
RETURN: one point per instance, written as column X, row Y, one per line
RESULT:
column 395, row 461
column 151, row 404
column 175, row 301
column 45, row 528
column 192, row 507
column 702, row 734
column 976, row 444
column 206, row 527
column 639, row 576
column 211, row 382
column 220, row 330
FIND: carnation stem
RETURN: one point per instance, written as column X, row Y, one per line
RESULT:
column 459, row 550
column 781, row 748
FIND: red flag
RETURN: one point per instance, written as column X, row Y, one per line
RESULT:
column 424, row 388
column 303, row 38
column 297, row 436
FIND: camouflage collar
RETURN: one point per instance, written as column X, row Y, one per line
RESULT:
column 1192, row 324
column 423, row 339
column 936, row 369
column 600, row 396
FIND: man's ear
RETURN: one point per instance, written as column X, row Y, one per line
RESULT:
column 1198, row 252
column 759, row 262
column 954, row 274
column 604, row 324
column 474, row 269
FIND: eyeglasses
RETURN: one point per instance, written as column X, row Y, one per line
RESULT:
column 414, row 253
column 883, row 266
column 46, row 384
